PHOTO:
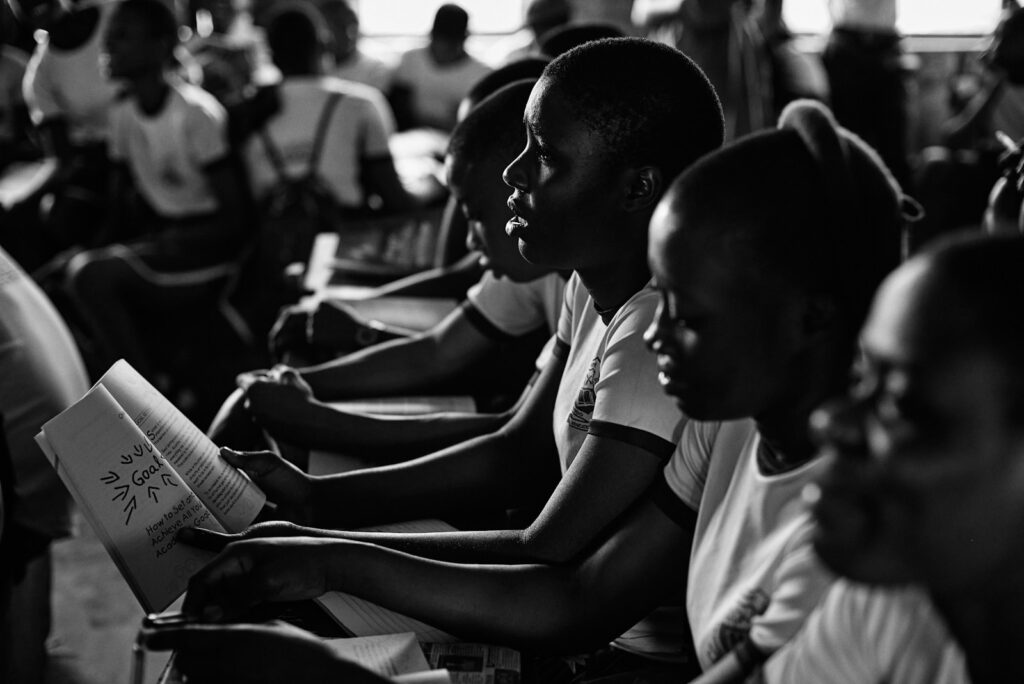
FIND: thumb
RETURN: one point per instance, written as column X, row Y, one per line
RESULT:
column 256, row 464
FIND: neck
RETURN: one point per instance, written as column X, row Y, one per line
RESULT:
column 989, row 627
column 820, row 373
column 611, row 286
column 150, row 91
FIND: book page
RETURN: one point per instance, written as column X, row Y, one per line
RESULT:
column 130, row 495
column 387, row 655
column 363, row 618
column 407, row 406
column 226, row 491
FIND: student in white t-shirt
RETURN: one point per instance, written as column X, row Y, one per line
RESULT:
column 351, row 63
column 355, row 161
column 513, row 299
column 925, row 484
column 583, row 190
column 430, row 81
column 69, row 98
column 169, row 141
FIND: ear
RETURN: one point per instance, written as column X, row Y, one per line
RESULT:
column 644, row 188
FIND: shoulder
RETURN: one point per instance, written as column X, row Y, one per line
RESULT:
column 198, row 101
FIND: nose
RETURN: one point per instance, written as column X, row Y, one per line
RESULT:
column 657, row 332
column 515, row 175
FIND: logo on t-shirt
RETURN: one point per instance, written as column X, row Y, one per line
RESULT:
column 583, row 407
column 736, row 625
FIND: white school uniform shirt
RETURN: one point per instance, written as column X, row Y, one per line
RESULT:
column 516, row 309
column 365, row 69
column 437, row 90
column 870, row 635
column 358, row 132
column 752, row 570
column 609, row 387
column 72, row 84
column 168, row 152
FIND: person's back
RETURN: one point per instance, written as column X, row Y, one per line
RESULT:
column 435, row 78
column 357, row 132
column 43, row 374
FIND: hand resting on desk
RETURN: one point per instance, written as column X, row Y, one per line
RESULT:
column 254, row 654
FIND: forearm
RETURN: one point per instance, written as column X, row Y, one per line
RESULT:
column 538, row 608
column 406, row 365
column 378, row 439
column 482, row 474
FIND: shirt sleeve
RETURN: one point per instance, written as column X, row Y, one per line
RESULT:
column 513, row 308
column 687, row 471
column 207, row 132
column 799, row 584
column 629, row 403
column 563, row 332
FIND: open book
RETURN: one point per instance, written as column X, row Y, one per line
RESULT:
column 141, row 471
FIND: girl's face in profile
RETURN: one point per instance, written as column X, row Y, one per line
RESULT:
column 925, row 476
column 726, row 334
column 566, row 191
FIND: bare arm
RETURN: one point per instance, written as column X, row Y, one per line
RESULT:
column 514, row 465
column 401, row 366
column 544, row 608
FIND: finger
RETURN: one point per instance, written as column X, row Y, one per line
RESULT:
column 255, row 463
column 221, row 588
column 205, row 539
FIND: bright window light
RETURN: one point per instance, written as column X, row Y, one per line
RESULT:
column 414, row 17
column 914, row 17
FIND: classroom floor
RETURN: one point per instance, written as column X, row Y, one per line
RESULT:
column 95, row 616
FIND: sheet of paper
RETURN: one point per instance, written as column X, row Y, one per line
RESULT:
column 229, row 494
column 412, row 313
column 425, row 677
column 407, row 406
column 130, row 494
column 363, row 618
column 387, row 655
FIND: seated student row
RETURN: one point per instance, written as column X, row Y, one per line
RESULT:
column 757, row 323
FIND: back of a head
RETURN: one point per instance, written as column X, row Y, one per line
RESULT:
column 528, row 67
column 493, row 129
column 810, row 202
column 156, row 15
column 296, row 37
column 980, row 294
column 648, row 103
column 564, row 38
column 451, row 22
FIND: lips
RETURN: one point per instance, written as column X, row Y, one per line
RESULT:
column 517, row 224
column 669, row 376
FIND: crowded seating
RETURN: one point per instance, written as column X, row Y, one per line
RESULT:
column 605, row 339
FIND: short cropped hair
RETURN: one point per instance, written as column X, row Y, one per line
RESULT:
column 495, row 126
column 648, row 103
column 810, row 202
column 156, row 15
column 450, row 21
column 983, row 273
column 296, row 37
